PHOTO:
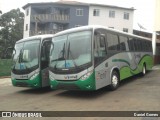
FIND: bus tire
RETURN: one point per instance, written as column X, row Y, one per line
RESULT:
column 144, row 70
column 114, row 81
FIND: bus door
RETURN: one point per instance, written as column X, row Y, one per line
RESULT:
column 45, row 51
column 100, row 54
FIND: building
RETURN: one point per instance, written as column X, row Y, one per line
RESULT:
column 111, row 16
column 156, row 33
column 52, row 17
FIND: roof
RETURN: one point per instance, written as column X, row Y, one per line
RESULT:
column 88, row 27
column 113, row 6
column 67, row 2
column 58, row 2
column 36, row 37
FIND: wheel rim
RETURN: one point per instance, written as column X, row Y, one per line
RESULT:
column 144, row 70
column 114, row 80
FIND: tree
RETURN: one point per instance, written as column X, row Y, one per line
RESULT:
column 11, row 28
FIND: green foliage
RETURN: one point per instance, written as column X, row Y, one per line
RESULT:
column 11, row 28
column 5, row 67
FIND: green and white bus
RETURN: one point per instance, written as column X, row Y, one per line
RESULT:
column 30, row 62
column 92, row 57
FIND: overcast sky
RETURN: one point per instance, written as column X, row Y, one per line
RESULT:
column 144, row 13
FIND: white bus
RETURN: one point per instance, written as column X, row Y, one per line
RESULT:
column 92, row 57
column 30, row 62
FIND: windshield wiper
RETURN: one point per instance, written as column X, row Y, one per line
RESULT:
column 69, row 51
column 21, row 60
column 60, row 58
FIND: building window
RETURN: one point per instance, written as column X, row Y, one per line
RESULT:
column 79, row 12
column 125, row 30
column 126, row 16
column 55, row 27
column 60, row 28
column 112, row 14
column 96, row 12
column 27, row 12
column 77, row 25
column 26, row 27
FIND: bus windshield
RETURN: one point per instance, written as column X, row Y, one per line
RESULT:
column 26, row 55
column 71, row 50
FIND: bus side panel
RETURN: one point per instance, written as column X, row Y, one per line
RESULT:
column 127, row 64
column 103, row 71
column 140, row 59
column 102, row 76
column 147, row 59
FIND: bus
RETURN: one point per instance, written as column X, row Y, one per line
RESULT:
column 30, row 62
column 92, row 57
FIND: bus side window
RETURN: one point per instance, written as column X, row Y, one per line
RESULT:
column 100, row 51
column 123, row 41
column 149, row 46
column 139, row 45
column 100, row 46
column 103, row 46
column 135, row 44
column 131, row 44
column 113, row 43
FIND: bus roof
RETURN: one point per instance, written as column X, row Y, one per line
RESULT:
column 89, row 27
column 35, row 37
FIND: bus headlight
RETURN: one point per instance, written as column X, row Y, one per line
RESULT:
column 85, row 76
column 51, row 77
column 34, row 76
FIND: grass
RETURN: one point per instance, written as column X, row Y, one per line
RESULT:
column 5, row 67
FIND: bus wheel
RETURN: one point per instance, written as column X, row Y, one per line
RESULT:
column 114, row 81
column 144, row 70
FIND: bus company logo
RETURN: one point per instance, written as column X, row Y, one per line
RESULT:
column 24, row 76
column 70, row 77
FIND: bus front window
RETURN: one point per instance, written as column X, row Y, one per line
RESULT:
column 26, row 55
column 71, row 51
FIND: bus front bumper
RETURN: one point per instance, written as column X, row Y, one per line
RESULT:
column 86, row 85
column 35, row 83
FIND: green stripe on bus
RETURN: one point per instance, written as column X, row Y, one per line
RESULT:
column 121, row 60
column 126, row 71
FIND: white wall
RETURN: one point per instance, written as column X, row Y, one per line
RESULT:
column 118, row 22
column 157, row 16
column 26, row 21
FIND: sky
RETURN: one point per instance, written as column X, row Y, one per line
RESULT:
column 144, row 13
